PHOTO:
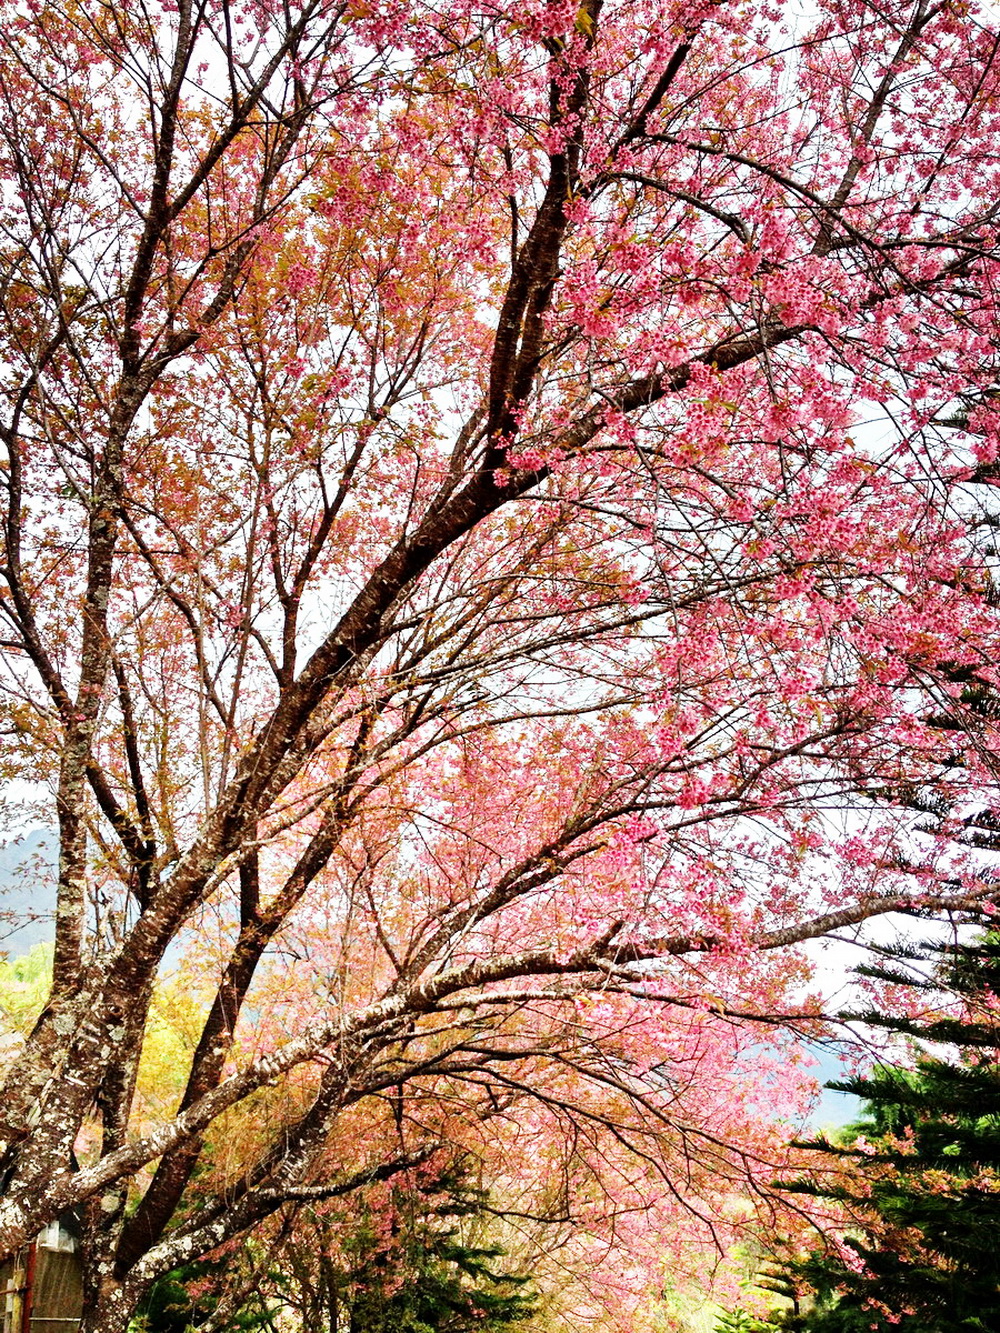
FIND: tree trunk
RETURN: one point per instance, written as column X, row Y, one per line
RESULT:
column 112, row 1312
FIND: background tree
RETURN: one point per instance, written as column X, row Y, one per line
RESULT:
column 920, row 1249
column 739, row 1321
column 450, row 595
column 188, row 1298
column 404, row 1260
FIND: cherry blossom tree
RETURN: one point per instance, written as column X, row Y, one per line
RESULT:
column 451, row 591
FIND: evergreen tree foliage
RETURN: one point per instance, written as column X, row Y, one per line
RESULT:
column 924, row 1255
column 739, row 1321
column 406, row 1265
column 187, row 1298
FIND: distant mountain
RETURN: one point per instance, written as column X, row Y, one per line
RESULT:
column 27, row 892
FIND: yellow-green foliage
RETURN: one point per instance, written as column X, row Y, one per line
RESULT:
column 175, row 1019
column 24, row 988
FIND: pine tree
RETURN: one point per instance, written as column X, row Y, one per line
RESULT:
column 186, row 1298
column 924, row 1255
column 739, row 1321
column 411, row 1263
